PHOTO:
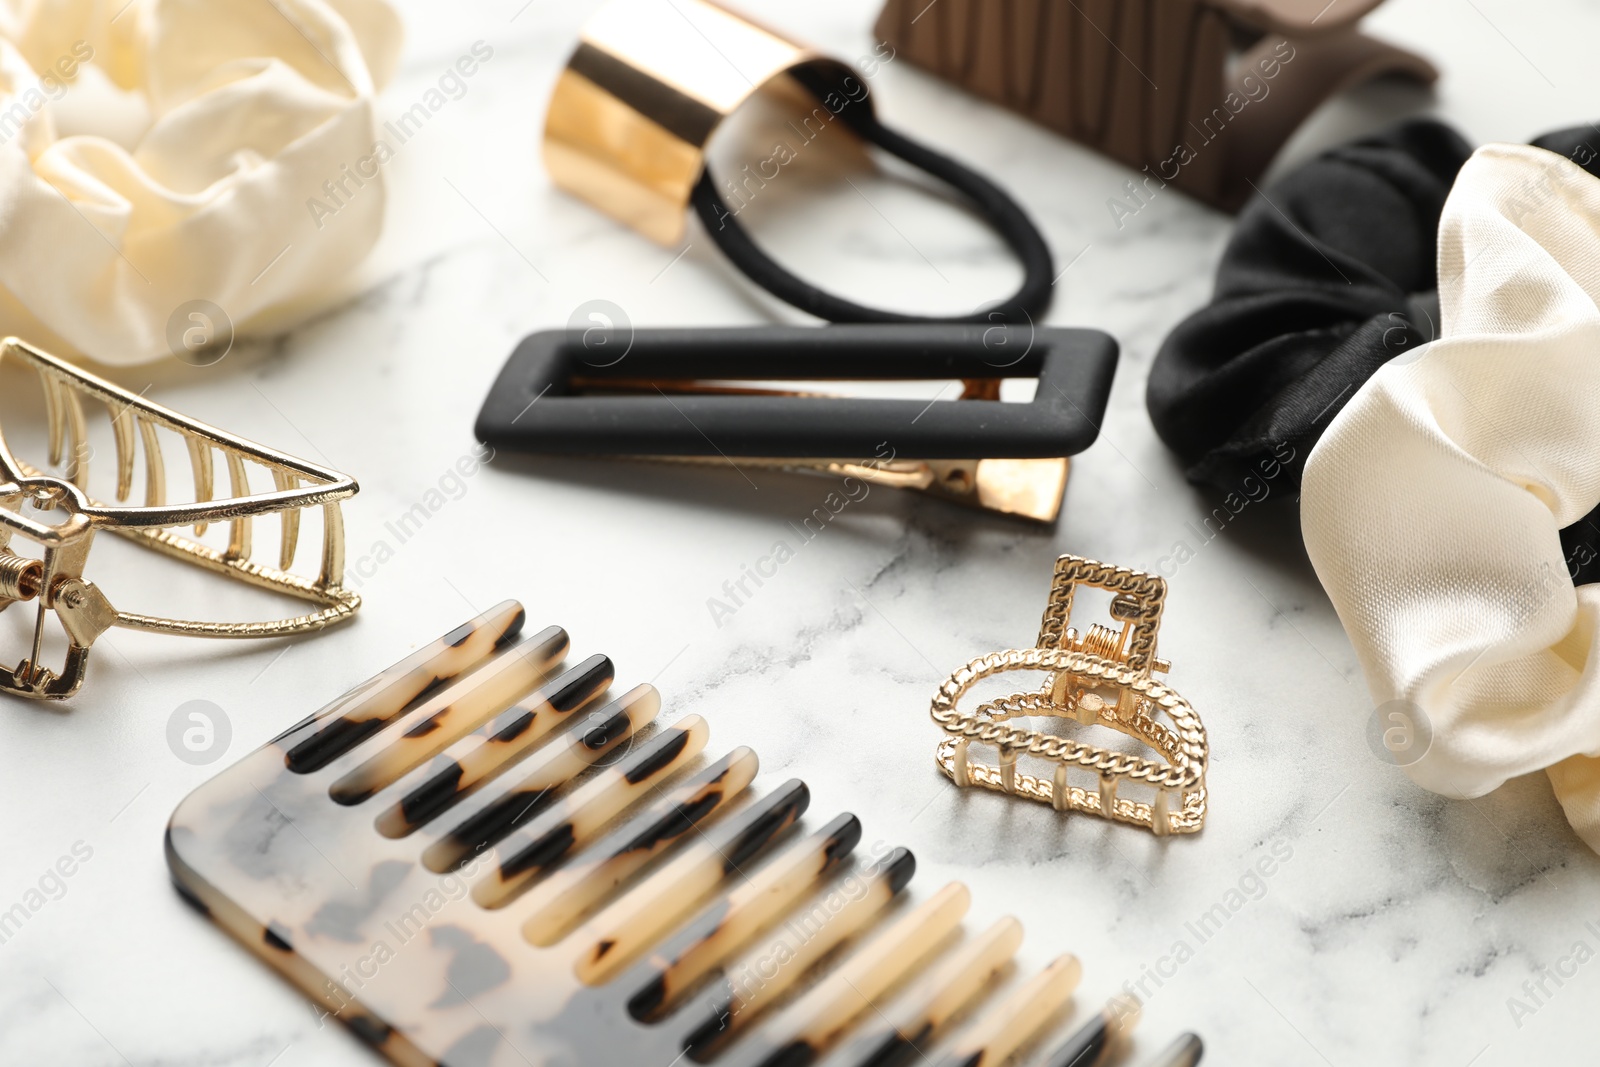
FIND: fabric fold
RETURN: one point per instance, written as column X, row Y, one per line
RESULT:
column 1328, row 274
column 162, row 156
column 1433, row 506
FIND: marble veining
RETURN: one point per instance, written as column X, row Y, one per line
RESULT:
column 1394, row 927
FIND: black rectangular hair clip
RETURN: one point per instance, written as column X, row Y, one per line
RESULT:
column 676, row 394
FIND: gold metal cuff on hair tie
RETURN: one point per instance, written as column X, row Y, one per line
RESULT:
column 1099, row 677
column 644, row 91
column 58, row 519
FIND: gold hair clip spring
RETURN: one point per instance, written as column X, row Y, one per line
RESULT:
column 1101, row 676
column 68, row 518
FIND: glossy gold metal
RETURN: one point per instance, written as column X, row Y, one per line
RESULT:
column 642, row 95
column 1023, row 488
column 59, row 519
column 1099, row 677
column 627, row 128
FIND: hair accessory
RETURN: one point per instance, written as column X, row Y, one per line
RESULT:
column 1328, row 277
column 58, row 518
column 1100, row 676
column 1157, row 84
column 1102, row 1039
column 491, row 864
column 650, row 83
column 1432, row 504
column 177, row 172
column 1004, row 457
column 1186, row 1051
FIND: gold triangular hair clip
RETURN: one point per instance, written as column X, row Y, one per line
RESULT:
column 1100, row 676
column 52, row 576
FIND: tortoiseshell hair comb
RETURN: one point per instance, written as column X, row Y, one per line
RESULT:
column 69, row 518
column 492, row 862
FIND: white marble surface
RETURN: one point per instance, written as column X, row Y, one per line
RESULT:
column 1394, row 934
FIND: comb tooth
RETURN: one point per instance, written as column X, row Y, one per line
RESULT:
column 1014, row 1021
column 618, row 934
column 581, row 814
column 332, row 574
column 368, row 708
column 1096, row 1041
column 122, row 431
column 570, row 893
column 746, row 988
column 200, row 463
column 155, row 467
column 551, row 769
column 239, row 529
column 1185, row 1051
column 468, row 704
column 809, row 1027
column 77, row 439
column 914, row 1022
column 290, row 541
column 54, row 415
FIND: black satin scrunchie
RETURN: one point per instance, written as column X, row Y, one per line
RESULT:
column 1331, row 273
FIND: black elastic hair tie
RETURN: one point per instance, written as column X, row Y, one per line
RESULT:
column 1029, row 303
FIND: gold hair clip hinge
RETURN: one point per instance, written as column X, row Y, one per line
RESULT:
column 54, row 578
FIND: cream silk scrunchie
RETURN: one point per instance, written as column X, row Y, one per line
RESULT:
column 166, row 152
column 1432, row 504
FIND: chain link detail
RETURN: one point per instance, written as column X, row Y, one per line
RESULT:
column 1139, row 599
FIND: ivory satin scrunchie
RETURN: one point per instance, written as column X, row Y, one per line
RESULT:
column 1433, row 504
column 165, row 152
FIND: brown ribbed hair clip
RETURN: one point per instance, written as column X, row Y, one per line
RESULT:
column 1199, row 94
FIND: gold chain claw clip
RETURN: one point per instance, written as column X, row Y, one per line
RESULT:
column 1101, row 676
column 68, row 518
